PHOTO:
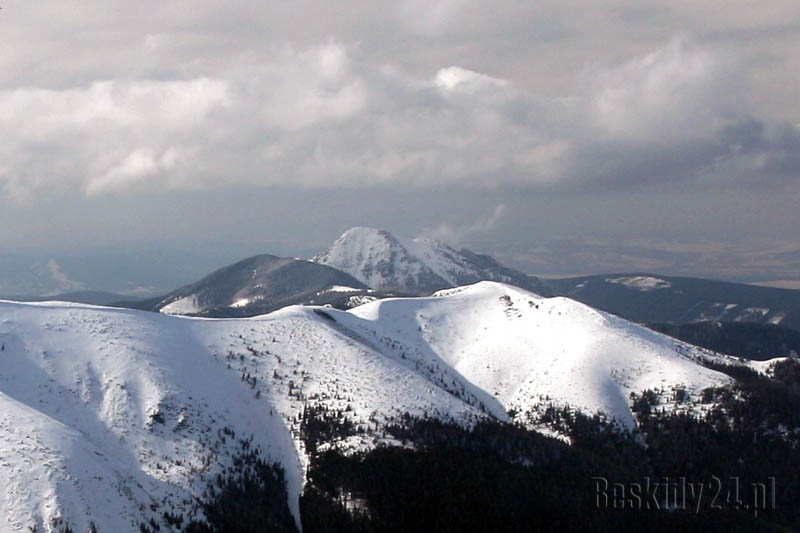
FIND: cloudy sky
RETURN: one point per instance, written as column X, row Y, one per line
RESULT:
column 565, row 137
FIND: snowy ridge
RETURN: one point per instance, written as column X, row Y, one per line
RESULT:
column 441, row 259
column 115, row 415
column 457, row 268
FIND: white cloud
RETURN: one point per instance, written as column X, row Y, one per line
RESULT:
column 92, row 137
column 461, row 79
column 297, row 88
column 138, row 166
column 119, row 103
column 678, row 90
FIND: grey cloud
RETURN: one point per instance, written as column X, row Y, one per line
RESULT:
column 759, row 151
column 453, row 107
column 428, row 17
column 324, row 116
column 639, row 13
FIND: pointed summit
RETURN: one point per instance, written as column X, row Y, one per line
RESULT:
column 378, row 259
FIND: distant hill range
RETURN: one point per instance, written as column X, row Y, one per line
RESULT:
column 678, row 300
column 364, row 264
column 743, row 339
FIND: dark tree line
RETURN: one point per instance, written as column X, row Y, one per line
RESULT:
column 501, row 477
column 741, row 339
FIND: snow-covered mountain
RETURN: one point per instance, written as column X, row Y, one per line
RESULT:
column 420, row 266
column 115, row 416
column 258, row 285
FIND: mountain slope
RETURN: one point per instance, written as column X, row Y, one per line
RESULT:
column 121, row 412
column 420, row 266
column 654, row 298
column 117, row 416
column 257, row 285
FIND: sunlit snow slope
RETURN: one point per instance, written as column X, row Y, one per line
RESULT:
column 115, row 416
column 524, row 350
